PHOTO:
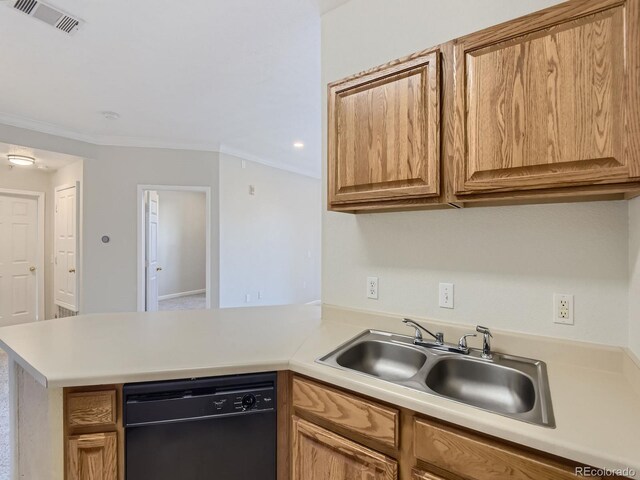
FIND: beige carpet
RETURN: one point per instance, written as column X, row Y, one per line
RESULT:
column 190, row 302
column 5, row 466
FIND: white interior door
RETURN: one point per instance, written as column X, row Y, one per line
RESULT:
column 151, row 235
column 18, row 259
column 66, row 248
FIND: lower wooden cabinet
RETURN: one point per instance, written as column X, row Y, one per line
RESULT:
column 92, row 457
column 422, row 475
column 480, row 458
column 336, row 435
column 94, row 446
column 318, row 454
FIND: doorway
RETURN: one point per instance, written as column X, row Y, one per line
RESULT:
column 174, row 241
column 21, row 257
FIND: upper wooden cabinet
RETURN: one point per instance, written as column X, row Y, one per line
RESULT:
column 541, row 108
column 384, row 133
column 549, row 100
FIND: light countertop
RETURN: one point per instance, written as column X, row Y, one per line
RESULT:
column 595, row 389
column 132, row 347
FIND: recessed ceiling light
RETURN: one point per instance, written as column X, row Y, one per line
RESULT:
column 21, row 160
column 111, row 115
column 298, row 145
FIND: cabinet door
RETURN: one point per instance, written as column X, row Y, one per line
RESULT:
column 318, row 454
column 93, row 457
column 384, row 133
column 549, row 100
column 422, row 475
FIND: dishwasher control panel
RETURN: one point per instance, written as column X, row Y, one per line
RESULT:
column 153, row 403
column 262, row 399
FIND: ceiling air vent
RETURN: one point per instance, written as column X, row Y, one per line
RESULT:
column 49, row 15
column 25, row 5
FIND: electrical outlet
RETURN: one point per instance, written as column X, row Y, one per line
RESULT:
column 247, row 298
column 372, row 288
column 563, row 308
column 446, row 295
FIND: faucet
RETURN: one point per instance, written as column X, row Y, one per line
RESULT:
column 486, row 341
column 462, row 343
column 439, row 336
column 439, row 344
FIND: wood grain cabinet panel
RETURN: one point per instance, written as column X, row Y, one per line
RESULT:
column 92, row 457
column 545, row 100
column 318, row 454
column 384, row 133
column 85, row 409
column 347, row 411
column 422, row 475
column 478, row 458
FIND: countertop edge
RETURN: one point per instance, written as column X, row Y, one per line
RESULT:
column 30, row 369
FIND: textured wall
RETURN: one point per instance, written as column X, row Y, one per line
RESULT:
column 270, row 241
column 110, row 206
column 182, row 242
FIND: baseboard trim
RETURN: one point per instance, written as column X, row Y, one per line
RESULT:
column 181, row 294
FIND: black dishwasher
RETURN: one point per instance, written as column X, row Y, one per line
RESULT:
column 220, row 428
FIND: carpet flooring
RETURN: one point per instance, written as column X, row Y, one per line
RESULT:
column 190, row 302
column 5, row 466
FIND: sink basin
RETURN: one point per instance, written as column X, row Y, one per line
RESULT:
column 384, row 360
column 485, row 385
column 515, row 387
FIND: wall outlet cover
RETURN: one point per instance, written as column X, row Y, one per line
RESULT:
column 563, row 308
column 445, row 297
column 372, row 288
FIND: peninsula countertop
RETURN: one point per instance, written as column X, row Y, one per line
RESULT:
column 595, row 389
column 133, row 347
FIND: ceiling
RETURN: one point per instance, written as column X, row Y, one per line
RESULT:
column 45, row 160
column 240, row 76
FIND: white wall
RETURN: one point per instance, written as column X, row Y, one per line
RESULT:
column 110, row 206
column 182, row 242
column 270, row 241
column 110, row 179
column 634, row 276
column 506, row 262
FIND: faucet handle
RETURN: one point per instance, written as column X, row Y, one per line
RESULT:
column 410, row 323
column 462, row 343
column 483, row 330
column 439, row 336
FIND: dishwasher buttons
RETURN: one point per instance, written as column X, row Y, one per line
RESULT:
column 219, row 404
column 248, row 401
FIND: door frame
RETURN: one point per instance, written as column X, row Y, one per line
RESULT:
column 142, row 236
column 40, row 242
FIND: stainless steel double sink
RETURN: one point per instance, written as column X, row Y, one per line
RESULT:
column 512, row 386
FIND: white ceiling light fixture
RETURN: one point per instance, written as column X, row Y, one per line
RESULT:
column 298, row 145
column 21, row 160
